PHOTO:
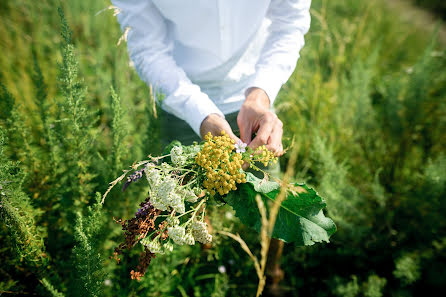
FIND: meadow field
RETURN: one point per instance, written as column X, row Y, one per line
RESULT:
column 365, row 112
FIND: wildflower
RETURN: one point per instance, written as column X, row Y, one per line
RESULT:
column 222, row 165
column 166, row 168
column 107, row 282
column 240, row 147
column 154, row 246
column 191, row 197
column 188, row 194
column 229, row 215
column 263, row 155
column 194, row 149
column 172, row 221
column 189, row 239
column 177, row 203
column 144, row 210
column 164, row 190
column 177, row 157
column 133, row 178
column 222, row 269
column 158, row 204
column 168, row 246
column 176, row 234
column 200, row 232
column 157, row 200
column 153, row 176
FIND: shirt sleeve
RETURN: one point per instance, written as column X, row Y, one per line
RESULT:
column 150, row 49
column 290, row 21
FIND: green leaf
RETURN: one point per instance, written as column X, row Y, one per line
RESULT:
column 300, row 218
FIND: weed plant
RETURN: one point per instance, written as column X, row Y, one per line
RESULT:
column 366, row 108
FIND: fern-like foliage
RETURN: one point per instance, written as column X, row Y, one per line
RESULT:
column 343, row 198
column 90, row 273
column 412, row 113
column 18, row 213
column 19, row 216
column 74, row 129
column 41, row 99
column 13, row 121
column 119, row 130
column 50, row 288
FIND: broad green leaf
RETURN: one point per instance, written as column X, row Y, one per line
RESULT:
column 300, row 218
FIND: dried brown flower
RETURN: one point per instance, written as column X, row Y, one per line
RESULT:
column 144, row 261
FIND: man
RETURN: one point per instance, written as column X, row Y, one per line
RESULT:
column 220, row 63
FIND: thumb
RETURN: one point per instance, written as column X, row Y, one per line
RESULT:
column 232, row 135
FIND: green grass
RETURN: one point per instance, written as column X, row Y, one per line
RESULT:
column 366, row 109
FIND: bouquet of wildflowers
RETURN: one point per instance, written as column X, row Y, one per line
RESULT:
column 182, row 182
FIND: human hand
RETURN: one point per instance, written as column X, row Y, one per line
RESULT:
column 255, row 116
column 214, row 123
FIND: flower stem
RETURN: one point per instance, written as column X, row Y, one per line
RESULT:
column 196, row 211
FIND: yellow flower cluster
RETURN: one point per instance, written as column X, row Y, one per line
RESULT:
column 222, row 165
column 263, row 155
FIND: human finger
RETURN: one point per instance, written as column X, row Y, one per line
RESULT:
column 281, row 151
column 224, row 126
column 245, row 128
column 264, row 132
column 275, row 139
column 232, row 135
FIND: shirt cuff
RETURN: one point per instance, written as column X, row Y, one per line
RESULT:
column 268, row 82
column 193, row 108
column 198, row 110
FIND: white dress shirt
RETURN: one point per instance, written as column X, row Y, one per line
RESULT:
column 204, row 54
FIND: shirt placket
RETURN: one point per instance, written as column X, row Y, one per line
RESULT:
column 223, row 10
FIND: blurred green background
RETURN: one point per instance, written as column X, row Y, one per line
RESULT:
column 366, row 108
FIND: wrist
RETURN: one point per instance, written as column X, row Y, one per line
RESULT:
column 258, row 97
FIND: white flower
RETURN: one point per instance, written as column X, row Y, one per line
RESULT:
column 166, row 168
column 168, row 246
column 200, row 232
column 229, row 215
column 195, row 149
column 154, row 246
column 164, row 190
column 189, row 239
column 153, row 176
column 174, row 198
column 107, row 282
column 166, row 195
column 176, row 234
column 189, row 195
column 222, row 269
column 173, row 221
column 176, row 155
column 156, row 201
column 158, row 204
column 240, row 146
column 177, row 203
